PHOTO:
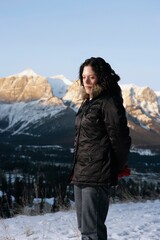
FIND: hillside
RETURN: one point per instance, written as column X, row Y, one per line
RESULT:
column 125, row 221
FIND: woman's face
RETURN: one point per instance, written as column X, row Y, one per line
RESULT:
column 89, row 79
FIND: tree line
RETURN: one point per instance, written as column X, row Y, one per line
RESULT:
column 27, row 173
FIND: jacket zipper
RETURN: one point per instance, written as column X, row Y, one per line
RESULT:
column 84, row 113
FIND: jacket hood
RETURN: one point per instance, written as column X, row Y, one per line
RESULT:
column 96, row 90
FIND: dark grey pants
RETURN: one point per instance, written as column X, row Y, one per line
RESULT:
column 92, row 205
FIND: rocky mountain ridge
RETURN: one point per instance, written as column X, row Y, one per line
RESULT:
column 29, row 101
column 26, row 86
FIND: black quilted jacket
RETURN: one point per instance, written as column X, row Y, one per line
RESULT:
column 102, row 141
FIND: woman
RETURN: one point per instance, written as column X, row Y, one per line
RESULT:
column 102, row 144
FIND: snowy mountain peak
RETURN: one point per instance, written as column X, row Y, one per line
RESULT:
column 128, row 86
column 28, row 72
column 59, row 84
column 63, row 78
column 136, row 95
column 25, row 86
column 132, row 86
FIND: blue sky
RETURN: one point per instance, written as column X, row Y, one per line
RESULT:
column 55, row 36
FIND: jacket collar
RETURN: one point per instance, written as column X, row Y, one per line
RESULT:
column 96, row 91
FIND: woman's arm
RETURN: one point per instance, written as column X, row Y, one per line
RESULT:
column 117, row 129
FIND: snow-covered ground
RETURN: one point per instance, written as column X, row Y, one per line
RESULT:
column 126, row 221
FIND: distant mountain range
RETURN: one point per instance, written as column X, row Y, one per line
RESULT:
column 37, row 109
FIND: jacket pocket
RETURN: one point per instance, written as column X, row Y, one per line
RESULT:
column 91, row 166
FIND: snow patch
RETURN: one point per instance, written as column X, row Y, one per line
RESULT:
column 59, row 84
column 125, row 221
column 146, row 152
column 50, row 201
column 157, row 93
column 62, row 77
column 158, row 96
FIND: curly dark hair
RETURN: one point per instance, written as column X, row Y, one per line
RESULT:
column 107, row 78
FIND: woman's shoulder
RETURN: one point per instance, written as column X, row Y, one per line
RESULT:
column 107, row 98
column 112, row 100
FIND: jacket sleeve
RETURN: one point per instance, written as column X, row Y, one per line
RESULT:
column 117, row 130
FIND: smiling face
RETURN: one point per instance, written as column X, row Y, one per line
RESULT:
column 89, row 79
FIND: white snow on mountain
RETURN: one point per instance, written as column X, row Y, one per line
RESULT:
column 27, row 72
column 128, row 86
column 158, row 93
column 59, row 84
column 27, row 113
column 144, row 97
column 125, row 221
column 158, row 96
